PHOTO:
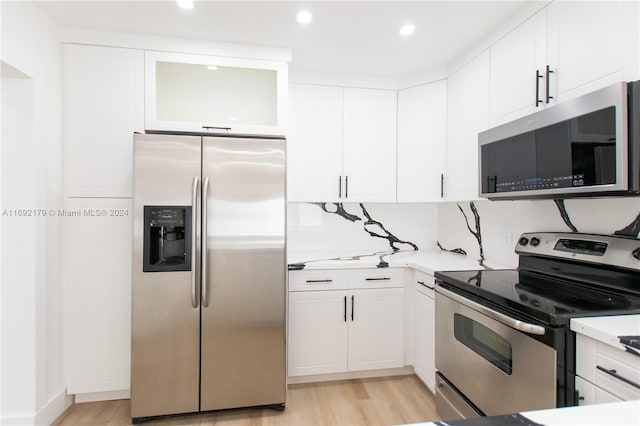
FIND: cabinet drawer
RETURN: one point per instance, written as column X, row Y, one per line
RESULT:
column 376, row 278
column 329, row 279
column 424, row 283
column 612, row 375
column 608, row 367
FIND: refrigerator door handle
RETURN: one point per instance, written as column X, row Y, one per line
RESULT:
column 205, row 284
column 194, row 219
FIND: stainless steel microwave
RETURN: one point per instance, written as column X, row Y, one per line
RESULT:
column 586, row 146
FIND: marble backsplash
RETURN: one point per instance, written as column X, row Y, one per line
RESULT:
column 502, row 222
column 366, row 227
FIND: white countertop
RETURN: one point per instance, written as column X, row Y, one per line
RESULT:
column 615, row 413
column 427, row 261
column 607, row 329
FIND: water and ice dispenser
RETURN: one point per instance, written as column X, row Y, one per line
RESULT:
column 167, row 238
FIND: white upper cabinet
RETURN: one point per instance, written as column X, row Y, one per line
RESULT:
column 103, row 105
column 369, row 145
column 467, row 115
column 422, row 129
column 565, row 50
column 314, row 143
column 518, row 68
column 341, row 144
column 591, row 45
column 218, row 94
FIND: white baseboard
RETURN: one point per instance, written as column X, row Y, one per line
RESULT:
column 403, row 371
column 46, row 415
column 102, row 396
column 54, row 408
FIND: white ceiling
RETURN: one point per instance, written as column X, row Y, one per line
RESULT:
column 347, row 37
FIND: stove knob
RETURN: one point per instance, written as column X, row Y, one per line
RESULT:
column 535, row 241
column 636, row 254
column 523, row 241
column 535, row 302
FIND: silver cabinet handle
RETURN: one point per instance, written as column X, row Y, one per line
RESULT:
column 504, row 319
column 216, row 128
column 205, row 284
column 378, row 279
column 422, row 283
column 194, row 227
column 615, row 374
column 340, row 186
column 319, row 281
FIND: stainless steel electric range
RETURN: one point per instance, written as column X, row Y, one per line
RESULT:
column 503, row 343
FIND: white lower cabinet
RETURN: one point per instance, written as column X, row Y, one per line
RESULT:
column 376, row 329
column 318, row 332
column 336, row 331
column 97, row 290
column 604, row 373
column 424, row 329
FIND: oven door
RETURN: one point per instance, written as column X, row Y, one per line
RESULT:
column 499, row 368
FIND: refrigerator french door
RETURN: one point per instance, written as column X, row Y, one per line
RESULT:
column 208, row 287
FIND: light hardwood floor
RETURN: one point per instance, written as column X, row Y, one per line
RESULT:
column 377, row 401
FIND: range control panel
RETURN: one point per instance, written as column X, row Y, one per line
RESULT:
column 604, row 249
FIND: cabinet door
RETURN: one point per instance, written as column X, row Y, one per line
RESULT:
column 370, row 145
column 97, row 296
column 424, row 323
column 467, row 114
column 422, row 127
column 314, row 145
column 376, row 329
column 514, row 61
column 317, row 333
column 103, row 101
column 212, row 93
column 590, row 45
column 586, row 392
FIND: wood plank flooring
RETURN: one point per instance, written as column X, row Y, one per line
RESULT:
column 376, row 401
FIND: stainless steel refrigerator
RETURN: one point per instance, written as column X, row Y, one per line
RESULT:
column 208, row 288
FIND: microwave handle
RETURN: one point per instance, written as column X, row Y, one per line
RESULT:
column 504, row 319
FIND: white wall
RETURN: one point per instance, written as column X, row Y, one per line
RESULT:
column 309, row 228
column 32, row 351
column 502, row 222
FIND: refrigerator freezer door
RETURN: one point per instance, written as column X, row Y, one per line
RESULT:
column 243, row 318
column 165, row 311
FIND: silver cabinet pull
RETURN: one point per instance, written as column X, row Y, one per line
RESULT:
column 319, row 281
column 205, row 284
column 340, row 186
column 378, row 279
column 615, row 374
column 500, row 317
column 194, row 227
column 216, row 128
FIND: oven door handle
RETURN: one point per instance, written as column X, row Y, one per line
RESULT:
column 504, row 319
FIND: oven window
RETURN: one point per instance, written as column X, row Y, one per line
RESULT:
column 483, row 341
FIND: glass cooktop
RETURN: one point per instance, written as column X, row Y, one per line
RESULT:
column 550, row 300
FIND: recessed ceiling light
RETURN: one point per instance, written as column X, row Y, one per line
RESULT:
column 212, row 68
column 304, row 17
column 185, row 4
column 407, row 29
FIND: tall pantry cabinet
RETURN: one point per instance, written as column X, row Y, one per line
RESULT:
column 103, row 91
